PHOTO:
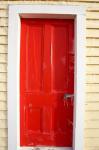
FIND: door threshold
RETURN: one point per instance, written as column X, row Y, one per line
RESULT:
column 45, row 148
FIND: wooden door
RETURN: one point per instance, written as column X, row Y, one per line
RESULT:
column 46, row 82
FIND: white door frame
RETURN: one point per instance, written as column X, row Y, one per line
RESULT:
column 44, row 11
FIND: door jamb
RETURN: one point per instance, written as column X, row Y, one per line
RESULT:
column 45, row 11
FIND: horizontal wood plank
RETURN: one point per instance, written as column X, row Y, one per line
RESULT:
column 3, row 48
column 3, row 67
column 92, row 52
column 3, row 58
column 92, row 24
column 92, row 79
column 3, row 133
column 92, row 15
column 3, row 142
column 3, row 22
column 3, row 86
column 3, row 115
column 3, row 40
column 93, row 33
column 3, row 147
column 91, row 133
column 92, row 116
column 92, row 60
column 92, row 107
column 92, row 97
column 3, row 13
column 3, row 30
column 92, row 42
column 92, row 142
column 3, row 106
column 3, row 77
column 3, row 96
column 92, row 69
column 3, row 124
column 91, row 124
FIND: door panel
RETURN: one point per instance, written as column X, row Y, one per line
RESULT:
column 59, row 49
column 46, row 75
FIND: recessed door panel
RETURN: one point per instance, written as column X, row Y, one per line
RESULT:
column 46, row 82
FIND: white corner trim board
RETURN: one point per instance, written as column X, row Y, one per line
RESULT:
column 44, row 11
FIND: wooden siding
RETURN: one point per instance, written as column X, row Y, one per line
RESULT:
column 91, row 131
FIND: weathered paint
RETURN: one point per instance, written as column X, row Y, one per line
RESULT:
column 46, row 76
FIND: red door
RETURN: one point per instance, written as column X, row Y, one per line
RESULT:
column 46, row 82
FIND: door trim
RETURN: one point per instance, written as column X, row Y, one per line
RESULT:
column 45, row 11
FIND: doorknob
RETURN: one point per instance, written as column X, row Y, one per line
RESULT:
column 68, row 96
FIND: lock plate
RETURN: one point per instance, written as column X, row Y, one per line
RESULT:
column 66, row 96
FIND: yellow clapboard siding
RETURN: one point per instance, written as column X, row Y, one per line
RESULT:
column 92, row 106
column 85, row 1
column 91, row 148
column 3, row 142
column 92, row 60
column 93, row 8
column 3, row 133
column 3, row 86
column 92, row 42
column 92, row 97
column 92, row 69
column 3, row 96
column 3, row 58
column 3, row 40
column 91, row 133
column 3, row 148
column 94, row 33
column 3, row 6
column 3, row 105
column 3, row 77
column 3, row 115
column 92, row 88
column 92, row 115
column 3, row 13
column 3, row 48
column 3, row 68
column 92, row 142
column 92, row 78
column 92, row 15
column 3, row 22
column 92, row 51
column 91, row 124
column 3, row 30
column 3, row 124
column 93, row 24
